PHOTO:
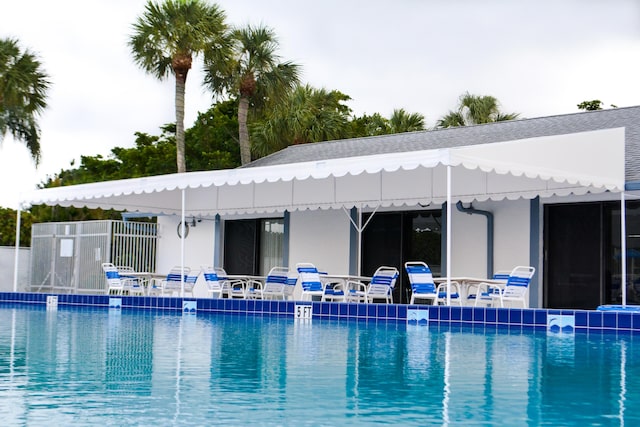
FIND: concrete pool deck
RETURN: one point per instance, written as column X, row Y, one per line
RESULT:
column 617, row 321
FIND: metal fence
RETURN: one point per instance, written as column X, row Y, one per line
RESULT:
column 68, row 256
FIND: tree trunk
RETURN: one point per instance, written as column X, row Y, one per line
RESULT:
column 180, row 157
column 243, row 131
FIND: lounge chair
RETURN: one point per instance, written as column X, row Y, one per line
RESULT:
column 421, row 280
column 479, row 294
column 120, row 285
column 214, row 286
column 516, row 287
column 190, row 282
column 275, row 284
column 172, row 283
column 380, row 287
column 312, row 286
column 423, row 287
column 232, row 288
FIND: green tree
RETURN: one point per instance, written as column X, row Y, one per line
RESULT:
column 308, row 115
column 165, row 39
column 473, row 110
column 8, row 227
column 253, row 72
column 23, row 92
column 401, row 121
column 592, row 105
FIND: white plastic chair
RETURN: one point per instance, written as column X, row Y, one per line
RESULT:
column 310, row 280
column 275, row 283
column 516, row 287
column 119, row 285
column 214, row 285
column 172, row 283
column 380, row 287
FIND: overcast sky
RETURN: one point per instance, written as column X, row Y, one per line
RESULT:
column 537, row 57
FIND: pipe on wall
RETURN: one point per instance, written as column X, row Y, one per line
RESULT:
column 489, row 215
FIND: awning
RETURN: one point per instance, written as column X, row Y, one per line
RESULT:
column 575, row 163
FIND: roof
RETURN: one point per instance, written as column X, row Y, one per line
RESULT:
column 627, row 117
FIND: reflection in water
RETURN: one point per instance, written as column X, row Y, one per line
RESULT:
column 197, row 370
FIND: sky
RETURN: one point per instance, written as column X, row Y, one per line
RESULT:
column 537, row 57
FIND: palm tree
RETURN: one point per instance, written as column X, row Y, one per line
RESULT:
column 253, row 73
column 307, row 115
column 167, row 36
column 401, row 121
column 23, row 90
column 473, row 110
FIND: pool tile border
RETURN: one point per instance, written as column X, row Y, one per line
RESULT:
column 513, row 318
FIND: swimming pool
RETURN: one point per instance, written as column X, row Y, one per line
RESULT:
column 133, row 367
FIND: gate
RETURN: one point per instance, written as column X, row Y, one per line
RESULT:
column 68, row 256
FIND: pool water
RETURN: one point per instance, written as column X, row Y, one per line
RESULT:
column 98, row 366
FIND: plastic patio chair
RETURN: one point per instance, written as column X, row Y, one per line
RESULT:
column 380, row 287
column 516, row 287
column 118, row 284
column 214, row 285
column 275, row 283
column 310, row 280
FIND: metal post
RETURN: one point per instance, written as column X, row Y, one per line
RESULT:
column 182, row 235
column 448, row 234
column 623, row 247
column 16, row 261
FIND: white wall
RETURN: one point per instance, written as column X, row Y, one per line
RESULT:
column 7, row 264
column 322, row 238
column 511, row 238
column 199, row 248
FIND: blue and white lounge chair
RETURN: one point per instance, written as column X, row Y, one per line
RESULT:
column 379, row 288
column 479, row 294
column 214, row 286
column 424, row 288
column 275, row 284
column 312, row 286
column 421, row 280
column 232, row 288
column 172, row 284
column 516, row 287
column 118, row 284
column 190, row 283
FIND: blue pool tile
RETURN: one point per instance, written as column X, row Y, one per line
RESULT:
column 609, row 319
column 333, row 309
column 528, row 317
column 541, row 317
column 392, row 311
column 372, row 310
column 467, row 314
column 362, row 310
column 381, row 311
column 326, row 308
column 490, row 315
column 456, row 314
column 433, row 313
column 353, row 309
column 479, row 314
column 515, row 316
column 402, row 312
column 624, row 320
column 343, row 309
column 595, row 319
column 581, row 320
column 444, row 313
column 503, row 315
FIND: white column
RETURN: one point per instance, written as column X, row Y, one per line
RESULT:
column 448, row 234
column 182, row 236
column 623, row 247
column 16, row 261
